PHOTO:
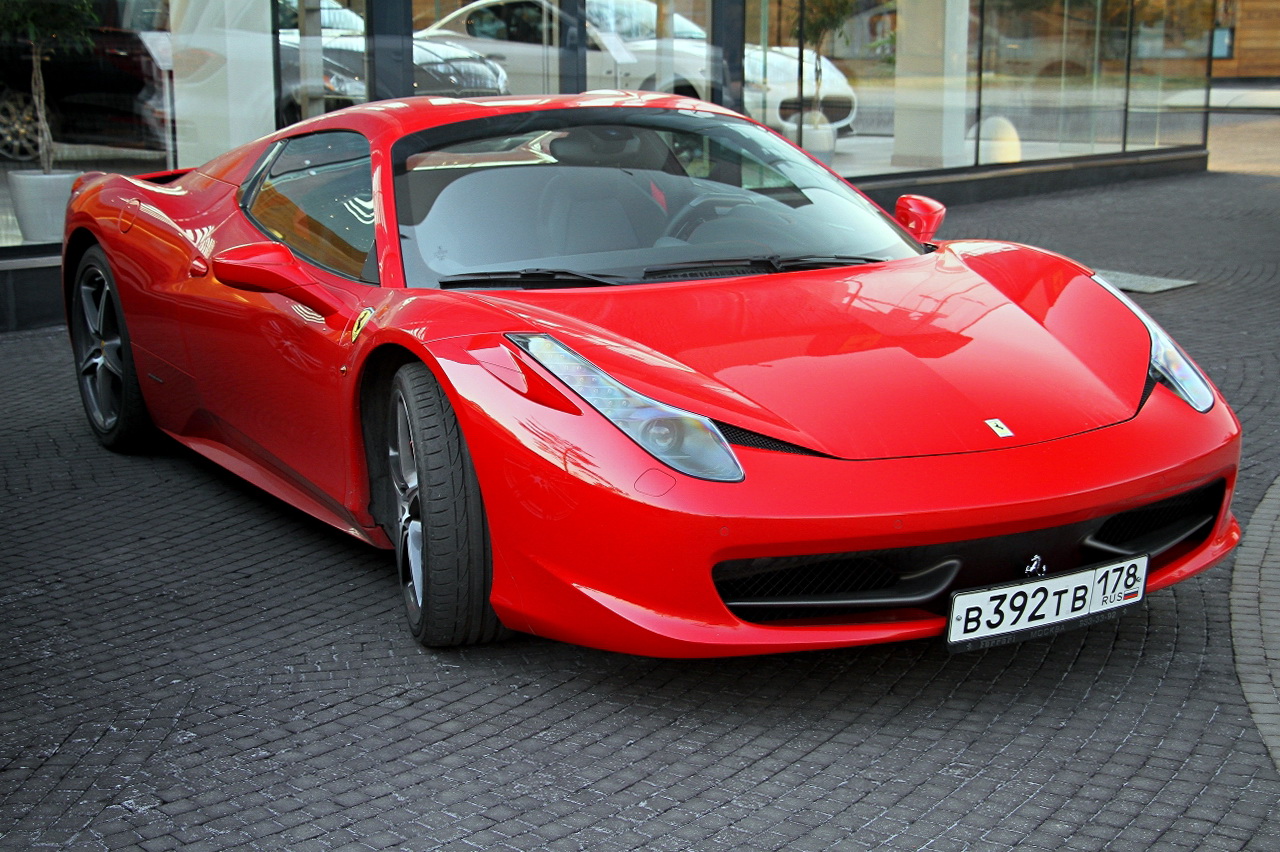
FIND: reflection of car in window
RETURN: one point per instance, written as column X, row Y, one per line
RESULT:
column 522, row 22
column 439, row 69
column 485, row 23
column 624, row 51
column 105, row 95
column 113, row 94
column 332, row 16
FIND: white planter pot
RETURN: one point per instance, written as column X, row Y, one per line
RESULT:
column 40, row 202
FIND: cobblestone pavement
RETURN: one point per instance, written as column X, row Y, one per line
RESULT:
column 190, row 664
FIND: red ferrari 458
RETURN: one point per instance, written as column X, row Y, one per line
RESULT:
column 631, row 371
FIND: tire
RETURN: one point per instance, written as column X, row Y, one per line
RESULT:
column 439, row 529
column 105, row 370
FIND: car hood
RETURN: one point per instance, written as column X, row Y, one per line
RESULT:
column 907, row 358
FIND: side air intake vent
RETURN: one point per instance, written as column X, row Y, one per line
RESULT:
column 746, row 438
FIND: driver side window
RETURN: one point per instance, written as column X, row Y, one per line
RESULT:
column 317, row 198
column 483, row 23
column 523, row 22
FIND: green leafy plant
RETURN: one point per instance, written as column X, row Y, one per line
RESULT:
column 48, row 26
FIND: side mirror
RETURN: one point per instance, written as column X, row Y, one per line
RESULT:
column 920, row 215
column 271, row 268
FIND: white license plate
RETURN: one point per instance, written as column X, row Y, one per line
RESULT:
column 979, row 616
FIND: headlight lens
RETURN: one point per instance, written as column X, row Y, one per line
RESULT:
column 1170, row 365
column 347, row 87
column 687, row 442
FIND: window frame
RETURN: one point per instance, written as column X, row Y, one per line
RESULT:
column 251, row 189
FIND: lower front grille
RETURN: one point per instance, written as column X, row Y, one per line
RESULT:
column 824, row 585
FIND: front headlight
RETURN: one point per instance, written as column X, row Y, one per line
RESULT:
column 344, row 86
column 687, row 442
column 1169, row 364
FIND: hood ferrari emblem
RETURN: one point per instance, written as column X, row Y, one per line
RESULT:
column 360, row 323
column 997, row 426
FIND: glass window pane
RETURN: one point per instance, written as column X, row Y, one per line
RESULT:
column 1052, row 79
column 977, row 82
column 806, row 94
column 630, row 44
column 1167, row 96
column 108, row 106
column 317, row 198
column 322, row 58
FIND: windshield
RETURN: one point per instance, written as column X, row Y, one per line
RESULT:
column 627, row 195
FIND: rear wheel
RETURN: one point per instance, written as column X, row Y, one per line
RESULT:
column 440, row 531
column 104, row 361
column 19, row 136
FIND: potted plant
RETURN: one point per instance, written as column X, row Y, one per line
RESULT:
column 815, row 21
column 40, row 196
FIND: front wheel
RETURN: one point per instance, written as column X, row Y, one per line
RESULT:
column 440, row 531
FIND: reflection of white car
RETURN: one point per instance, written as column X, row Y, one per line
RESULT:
column 625, row 52
column 440, row 68
column 770, row 87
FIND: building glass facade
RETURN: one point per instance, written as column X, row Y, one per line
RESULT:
column 872, row 87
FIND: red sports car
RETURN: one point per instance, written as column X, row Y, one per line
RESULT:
column 631, row 371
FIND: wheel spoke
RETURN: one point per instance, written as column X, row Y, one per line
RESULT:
column 403, row 464
column 91, row 301
column 413, row 552
column 104, row 392
column 404, row 461
column 113, row 357
column 91, row 361
column 104, row 311
column 108, row 397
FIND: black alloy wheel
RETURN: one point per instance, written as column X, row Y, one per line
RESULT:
column 104, row 361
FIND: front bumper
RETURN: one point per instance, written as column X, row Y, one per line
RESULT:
column 781, row 107
column 597, row 544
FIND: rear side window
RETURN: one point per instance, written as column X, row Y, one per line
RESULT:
column 316, row 197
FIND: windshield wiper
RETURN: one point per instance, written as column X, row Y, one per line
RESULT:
column 824, row 261
column 528, row 279
column 760, row 263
